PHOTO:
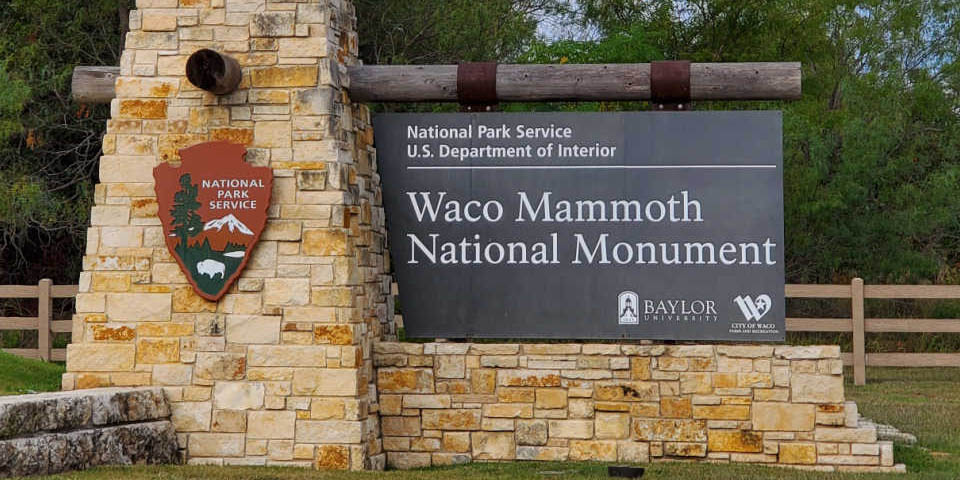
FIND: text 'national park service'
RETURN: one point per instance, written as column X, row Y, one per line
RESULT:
column 561, row 144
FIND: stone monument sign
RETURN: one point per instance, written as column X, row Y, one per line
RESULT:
column 237, row 259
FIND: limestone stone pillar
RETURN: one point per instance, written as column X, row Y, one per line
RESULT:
column 279, row 371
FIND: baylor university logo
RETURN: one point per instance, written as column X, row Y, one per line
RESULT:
column 627, row 305
column 213, row 208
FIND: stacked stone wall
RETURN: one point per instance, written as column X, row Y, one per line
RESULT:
column 447, row 403
column 279, row 371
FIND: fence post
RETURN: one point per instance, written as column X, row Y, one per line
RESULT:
column 859, row 347
column 44, row 309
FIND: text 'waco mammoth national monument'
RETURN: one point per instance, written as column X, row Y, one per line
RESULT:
column 237, row 256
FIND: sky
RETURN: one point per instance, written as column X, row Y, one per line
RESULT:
column 553, row 28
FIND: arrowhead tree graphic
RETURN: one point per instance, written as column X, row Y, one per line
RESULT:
column 184, row 211
column 213, row 208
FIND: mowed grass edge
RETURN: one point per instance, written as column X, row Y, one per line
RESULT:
column 23, row 375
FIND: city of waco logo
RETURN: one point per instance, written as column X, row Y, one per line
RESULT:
column 754, row 308
column 213, row 208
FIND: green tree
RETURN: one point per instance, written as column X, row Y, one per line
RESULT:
column 870, row 150
column 448, row 31
column 186, row 221
column 14, row 93
column 49, row 146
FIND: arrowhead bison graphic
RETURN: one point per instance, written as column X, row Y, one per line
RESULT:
column 213, row 208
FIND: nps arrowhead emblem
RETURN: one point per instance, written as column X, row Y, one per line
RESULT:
column 213, row 208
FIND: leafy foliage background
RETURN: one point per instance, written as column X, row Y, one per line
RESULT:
column 49, row 146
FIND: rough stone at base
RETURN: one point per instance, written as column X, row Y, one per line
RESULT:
column 150, row 443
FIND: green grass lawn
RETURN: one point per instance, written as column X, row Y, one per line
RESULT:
column 21, row 375
column 925, row 402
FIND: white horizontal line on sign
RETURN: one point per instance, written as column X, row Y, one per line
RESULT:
column 585, row 167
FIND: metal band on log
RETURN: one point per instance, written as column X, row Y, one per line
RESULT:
column 670, row 85
column 477, row 86
column 532, row 83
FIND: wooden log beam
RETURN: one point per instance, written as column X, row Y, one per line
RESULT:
column 545, row 83
column 94, row 84
column 531, row 83
column 213, row 71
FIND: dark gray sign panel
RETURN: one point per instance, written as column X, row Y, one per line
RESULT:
column 586, row 225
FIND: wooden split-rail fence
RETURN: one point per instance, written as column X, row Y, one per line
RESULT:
column 44, row 291
column 857, row 324
column 857, row 292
